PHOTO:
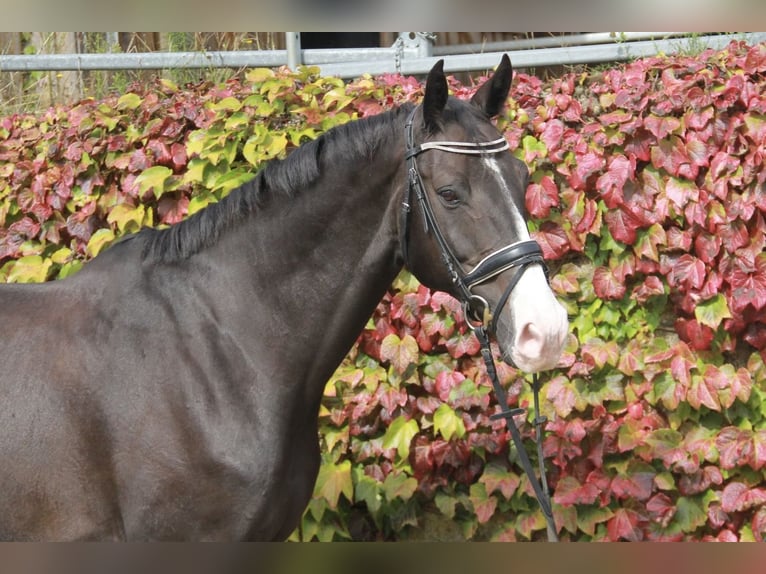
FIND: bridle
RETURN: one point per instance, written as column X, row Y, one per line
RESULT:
column 479, row 317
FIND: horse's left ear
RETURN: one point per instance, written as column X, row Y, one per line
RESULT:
column 436, row 96
column 491, row 96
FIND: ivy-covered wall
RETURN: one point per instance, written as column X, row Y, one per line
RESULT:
column 647, row 196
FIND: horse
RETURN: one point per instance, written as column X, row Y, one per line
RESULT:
column 170, row 389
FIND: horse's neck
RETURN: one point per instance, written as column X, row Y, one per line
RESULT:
column 319, row 263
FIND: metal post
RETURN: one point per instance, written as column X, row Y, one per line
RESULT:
column 293, row 45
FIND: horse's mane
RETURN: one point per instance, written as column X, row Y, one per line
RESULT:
column 349, row 144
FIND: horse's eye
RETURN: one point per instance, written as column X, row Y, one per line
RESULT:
column 449, row 196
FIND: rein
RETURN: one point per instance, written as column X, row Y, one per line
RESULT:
column 477, row 310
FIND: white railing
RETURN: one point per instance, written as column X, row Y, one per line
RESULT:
column 412, row 53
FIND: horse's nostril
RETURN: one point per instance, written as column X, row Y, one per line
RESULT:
column 530, row 341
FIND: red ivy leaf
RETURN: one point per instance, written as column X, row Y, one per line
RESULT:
column 569, row 491
column 661, row 126
column 661, row 509
column 606, row 285
column 587, row 164
column 541, row 197
column 498, row 478
column 561, row 393
column 622, row 224
column 703, row 391
column 698, row 336
column 734, row 446
column 610, row 184
column 552, row 239
column 749, row 288
column 624, row 526
column 637, row 485
column 737, row 497
column 461, row 344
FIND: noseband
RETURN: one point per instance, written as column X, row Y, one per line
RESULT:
column 477, row 311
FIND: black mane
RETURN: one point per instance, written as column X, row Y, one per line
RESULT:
column 349, row 144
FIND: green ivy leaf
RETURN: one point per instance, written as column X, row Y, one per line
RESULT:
column 228, row 104
column 334, row 480
column 129, row 101
column 399, row 435
column 128, row 219
column 29, row 269
column 98, row 241
column 448, row 423
column 154, row 179
column 690, row 514
column 399, row 485
column 367, row 490
column 231, row 180
column 588, row 517
column 712, row 311
column 446, row 504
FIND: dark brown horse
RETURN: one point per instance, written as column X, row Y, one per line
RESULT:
column 170, row 390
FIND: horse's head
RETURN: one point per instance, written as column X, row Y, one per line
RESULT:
column 467, row 233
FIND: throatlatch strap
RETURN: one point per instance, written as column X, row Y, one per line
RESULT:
column 540, row 486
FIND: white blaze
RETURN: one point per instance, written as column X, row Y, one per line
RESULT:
column 539, row 321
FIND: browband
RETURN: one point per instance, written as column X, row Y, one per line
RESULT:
column 478, row 148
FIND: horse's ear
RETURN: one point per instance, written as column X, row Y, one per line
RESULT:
column 436, row 96
column 491, row 96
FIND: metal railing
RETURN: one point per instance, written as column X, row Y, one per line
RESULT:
column 411, row 53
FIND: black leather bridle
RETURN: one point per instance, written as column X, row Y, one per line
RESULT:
column 517, row 256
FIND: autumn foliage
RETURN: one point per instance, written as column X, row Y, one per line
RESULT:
column 647, row 196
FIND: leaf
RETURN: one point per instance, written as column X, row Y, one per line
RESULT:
column 702, row 391
column 552, row 239
column 400, row 353
column 496, row 478
column 636, row 482
column 484, row 504
column 690, row 514
column 154, row 179
column 129, row 101
column 737, row 497
column 448, row 423
column 599, row 353
column 128, row 218
column 541, row 196
column 230, row 180
column 624, row 526
column 610, row 184
column 749, row 287
column 661, row 126
column 446, row 504
column 334, row 480
column 589, row 517
column 461, row 344
column 29, row 269
column 98, row 241
column 399, row 435
column 367, row 490
column 399, row 485
column 666, row 445
column 622, row 224
column 569, row 491
column 734, row 446
column 712, row 311
column 607, row 285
